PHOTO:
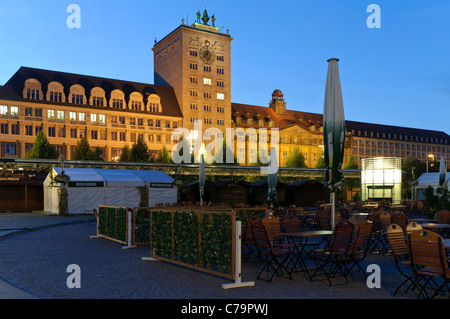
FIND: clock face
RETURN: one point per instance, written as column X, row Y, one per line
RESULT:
column 207, row 55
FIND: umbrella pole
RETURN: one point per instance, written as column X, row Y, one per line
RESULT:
column 332, row 210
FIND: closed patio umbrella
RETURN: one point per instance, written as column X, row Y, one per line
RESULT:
column 272, row 178
column 442, row 175
column 201, row 178
column 333, row 132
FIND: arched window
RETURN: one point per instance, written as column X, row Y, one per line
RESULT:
column 55, row 92
column 136, row 101
column 77, row 94
column 32, row 90
column 154, row 103
column 97, row 97
column 117, row 100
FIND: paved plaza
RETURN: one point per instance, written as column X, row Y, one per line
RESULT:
column 36, row 250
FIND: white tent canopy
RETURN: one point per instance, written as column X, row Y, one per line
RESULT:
column 428, row 179
column 90, row 187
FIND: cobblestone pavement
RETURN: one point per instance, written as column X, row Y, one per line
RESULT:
column 33, row 264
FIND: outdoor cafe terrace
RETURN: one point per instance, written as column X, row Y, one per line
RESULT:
column 371, row 244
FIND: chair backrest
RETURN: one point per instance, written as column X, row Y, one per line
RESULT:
column 248, row 234
column 400, row 219
column 385, row 220
column 439, row 214
column 324, row 221
column 445, row 217
column 273, row 227
column 397, row 240
column 262, row 240
column 345, row 213
column 342, row 236
column 427, row 250
column 363, row 235
column 292, row 224
column 412, row 226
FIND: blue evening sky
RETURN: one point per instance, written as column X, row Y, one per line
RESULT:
column 398, row 74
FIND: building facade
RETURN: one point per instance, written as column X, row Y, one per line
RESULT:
column 192, row 84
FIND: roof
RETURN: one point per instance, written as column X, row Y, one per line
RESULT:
column 306, row 120
column 116, row 177
column 301, row 119
column 12, row 90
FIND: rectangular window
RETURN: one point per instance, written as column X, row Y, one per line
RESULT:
column 220, row 70
column 121, row 119
column 132, row 121
column 51, row 114
column 60, row 115
column 113, row 136
column 94, row 135
column 194, row 106
column 38, row 112
column 193, row 52
column 167, row 124
column 220, row 96
column 193, row 79
column 61, row 132
column 37, row 129
column 206, row 81
column 4, row 128
column 193, row 66
column 73, row 116
column 207, row 68
column 150, row 122
column 102, row 118
column 219, row 57
column 193, row 92
column 206, row 107
column 29, row 130
column 82, row 117
column 157, row 123
column 207, row 95
column 3, row 109
column 14, row 110
column 220, row 83
column 220, row 109
column 73, row 133
column 140, row 122
column 10, row 149
column 15, row 129
column 122, row 136
column 51, row 132
column 28, row 111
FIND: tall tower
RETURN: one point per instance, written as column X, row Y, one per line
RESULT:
column 195, row 60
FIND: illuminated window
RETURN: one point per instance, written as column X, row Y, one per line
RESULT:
column 220, row 96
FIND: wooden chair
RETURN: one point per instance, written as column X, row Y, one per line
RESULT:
column 273, row 228
column 275, row 258
column 412, row 226
column 401, row 220
column 335, row 254
column 323, row 221
column 247, row 239
column 399, row 247
column 358, row 251
column 429, row 262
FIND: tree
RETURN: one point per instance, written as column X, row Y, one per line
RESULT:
column 139, row 151
column 125, row 154
column 164, row 156
column 296, row 159
column 42, row 148
column 321, row 162
column 83, row 152
column 351, row 164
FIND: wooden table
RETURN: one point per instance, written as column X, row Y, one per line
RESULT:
column 438, row 228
